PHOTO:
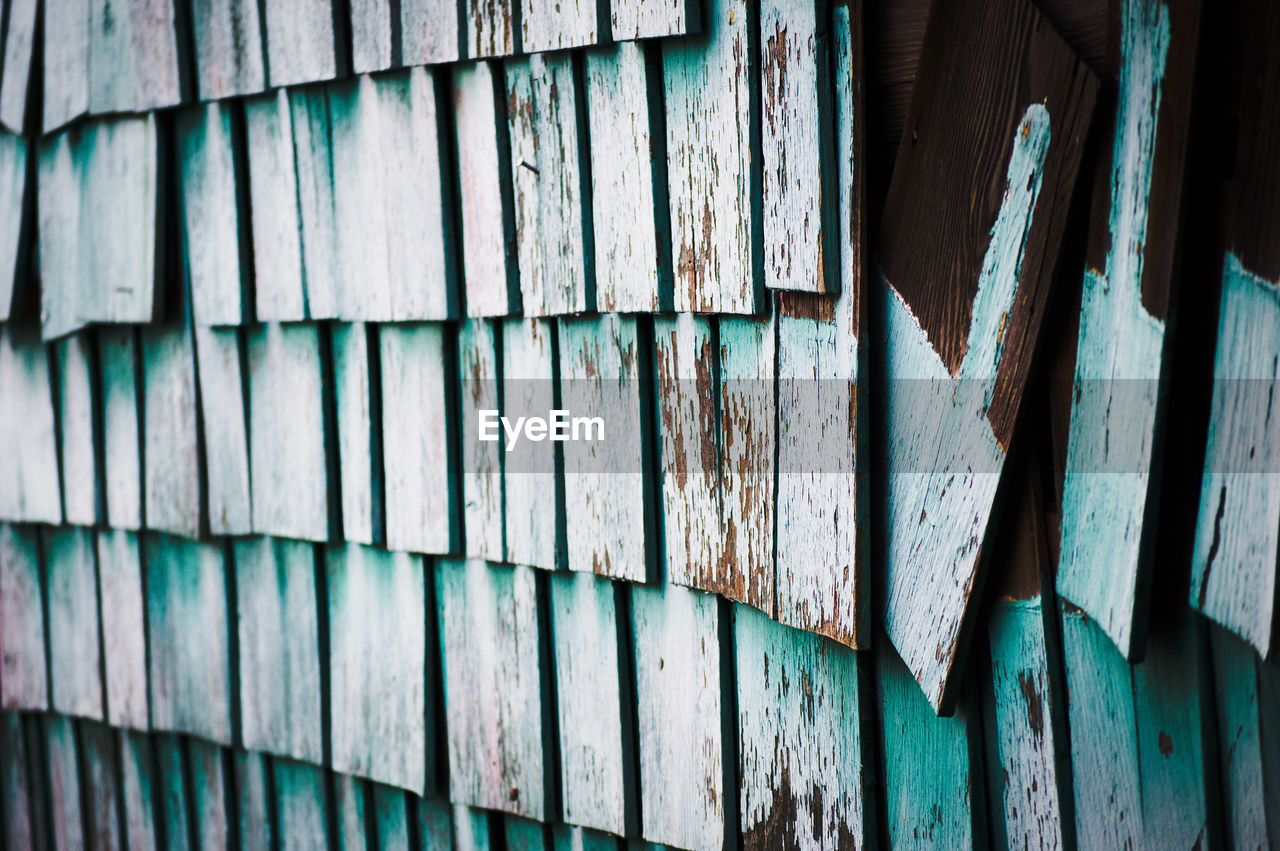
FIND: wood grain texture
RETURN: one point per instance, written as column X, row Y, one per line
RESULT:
column 229, row 54
column 533, row 488
column 932, row 766
column 287, row 436
column 391, row 818
column 1108, row 493
column 101, row 805
column 431, row 31
column 209, row 794
column 381, row 724
column 435, row 825
column 124, row 630
column 223, row 429
column 62, row 753
column 278, row 640
column 1237, row 542
column 170, row 440
column 19, row 828
column 19, row 53
column 712, row 114
column 419, row 451
column 562, row 24
column 679, row 714
column 606, row 485
column 118, row 361
column 29, row 488
column 171, row 791
column 301, row 43
column 967, row 260
column 310, row 118
column 822, row 575
column 139, row 784
column 628, row 179
column 188, row 637
column 470, row 829
column 301, row 805
column 492, row 27
column 371, row 35
column 133, row 56
column 354, row 812
column 249, row 810
column 484, row 182
column 65, row 75
column 14, row 218
column 491, row 645
column 550, row 173
column 800, row 722
column 75, row 649
column 482, row 503
column 798, row 149
column 273, row 200
column 23, row 680
column 359, row 408
column 77, row 429
column 211, row 213
column 635, row 19
column 597, row 770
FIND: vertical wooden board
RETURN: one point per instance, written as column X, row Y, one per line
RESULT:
column 748, row 438
column 188, row 637
column 568, row 838
column 17, row 787
column 712, row 111
column 170, row 443
column 552, row 25
column 357, row 413
column 628, row 180
column 688, row 400
column 371, row 35
column 482, row 506
column 172, row 794
column 28, row 479
column 65, row 77
column 635, row 19
column 961, row 331
column 798, row 148
column 156, row 54
column 111, row 68
column 492, row 27
column 435, row 826
column 100, row 785
column 58, row 184
column 280, row 295
column 418, row 445
column 301, row 816
column 19, row 50
column 521, row 834
column 228, row 43
column 124, row 663
column 1104, row 745
column 209, row 793
column 532, row 486
column 22, row 633
column 382, row 727
column 122, row 439
column 62, row 764
column 932, row 781
column 75, row 652
column 350, row 799
column 484, row 181
column 391, row 818
column 1171, row 708
column 277, row 622
column 546, row 115
column 431, row 31
column 595, row 769
column 301, row 43
column 223, row 429
column 678, row 698
column 470, row 829
column 211, row 214
column 491, row 648
column 138, row 788
column 606, row 469
column 1237, row 541
column 13, row 215
column 800, row 746
column 287, row 441
column 77, row 438
column 1106, row 539
column 313, row 161
column 252, row 809
column 1026, row 721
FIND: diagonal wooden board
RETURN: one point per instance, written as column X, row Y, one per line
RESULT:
column 969, row 239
